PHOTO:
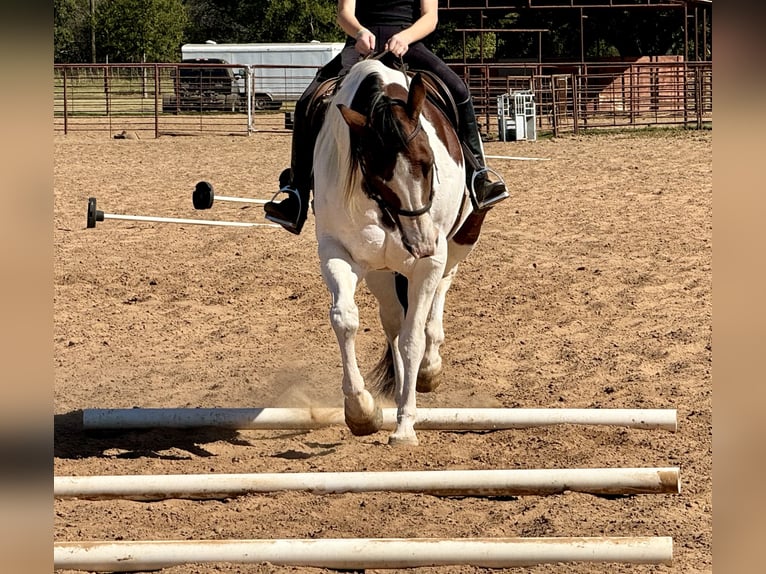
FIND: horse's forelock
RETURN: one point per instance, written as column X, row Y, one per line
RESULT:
column 363, row 90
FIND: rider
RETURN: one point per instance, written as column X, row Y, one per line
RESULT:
column 399, row 26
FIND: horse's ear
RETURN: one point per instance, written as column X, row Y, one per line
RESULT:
column 416, row 97
column 354, row 119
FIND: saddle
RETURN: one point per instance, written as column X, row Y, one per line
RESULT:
column 439, row 95
column 436, row 91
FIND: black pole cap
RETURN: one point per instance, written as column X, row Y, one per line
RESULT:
column 94, row 214
column 203, row 195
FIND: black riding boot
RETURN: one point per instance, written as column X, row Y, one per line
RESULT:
column 292, row 211
column 484, row 193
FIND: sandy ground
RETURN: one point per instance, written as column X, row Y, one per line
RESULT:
column 590, row 288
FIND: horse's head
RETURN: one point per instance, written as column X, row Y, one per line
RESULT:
column 392, row 151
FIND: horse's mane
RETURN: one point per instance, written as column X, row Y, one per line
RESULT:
column 362, row 91
column 372, row 101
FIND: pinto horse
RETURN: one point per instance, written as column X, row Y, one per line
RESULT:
column 391, row 209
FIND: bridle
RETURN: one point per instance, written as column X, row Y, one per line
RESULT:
column 384, row 205
column 392, row 214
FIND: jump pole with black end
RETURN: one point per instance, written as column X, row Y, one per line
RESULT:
column 361, row 553
column 465, row 419
column 204, row 195
column 95, row 215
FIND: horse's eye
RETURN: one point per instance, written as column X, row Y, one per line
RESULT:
column 426, row 170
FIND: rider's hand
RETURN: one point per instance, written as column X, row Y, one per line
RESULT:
column 365, row 42
column 397, row 45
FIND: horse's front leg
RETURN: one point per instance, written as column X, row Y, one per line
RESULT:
column 341, row 276
column 429, row 375
column 422, row 285
column 382, row 285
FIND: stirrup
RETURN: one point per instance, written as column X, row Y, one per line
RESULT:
column 486, row 202
column 296, row 226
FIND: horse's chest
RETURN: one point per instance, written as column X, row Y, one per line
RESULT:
column 375, row 249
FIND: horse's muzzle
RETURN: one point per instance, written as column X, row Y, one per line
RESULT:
column 420, row 239
column 420, row 252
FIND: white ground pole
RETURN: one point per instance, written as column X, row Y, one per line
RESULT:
column 239, row 199
column 510, row 482
column 517, row 158
column 427, row 418
column 361, row 553
column 187, row 221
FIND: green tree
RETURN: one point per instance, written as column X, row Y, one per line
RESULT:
column 71, row 31
column 447, row 43
column 301, row 21
column 223, row 21
column 635, row 33
column 131, row 31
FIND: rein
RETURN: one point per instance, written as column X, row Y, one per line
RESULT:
column 402, row 65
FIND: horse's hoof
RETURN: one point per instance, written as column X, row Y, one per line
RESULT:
column 366, row 426
column 428, row 383
column 402, row 440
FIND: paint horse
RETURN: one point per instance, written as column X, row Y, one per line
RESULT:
column 391, row 209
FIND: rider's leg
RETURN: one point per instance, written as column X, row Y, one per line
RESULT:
column 487, row 192
column 295, row 181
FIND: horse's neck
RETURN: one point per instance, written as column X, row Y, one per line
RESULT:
column 440, row 95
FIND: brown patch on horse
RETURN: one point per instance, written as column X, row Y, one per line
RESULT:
column 409, row 116
column 468, row 234
column 444, row 131
column 437, row 118
column 354, row 119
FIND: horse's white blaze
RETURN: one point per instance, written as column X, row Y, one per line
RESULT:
column 354, row 242
column 419, row 232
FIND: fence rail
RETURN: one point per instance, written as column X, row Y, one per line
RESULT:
column 151, row 99
column 570, row 98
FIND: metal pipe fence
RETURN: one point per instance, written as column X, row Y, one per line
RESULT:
column 574, row 97
column 178, row 99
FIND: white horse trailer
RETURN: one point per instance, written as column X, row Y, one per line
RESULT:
column 279, row 71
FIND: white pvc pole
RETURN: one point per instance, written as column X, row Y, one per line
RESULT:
column 239, row 199
column 187, row 221
column 517, row 158
column 427, row 419
column 515, row 482
column 361, row 553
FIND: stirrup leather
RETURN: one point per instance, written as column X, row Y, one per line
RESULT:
column 486, row 202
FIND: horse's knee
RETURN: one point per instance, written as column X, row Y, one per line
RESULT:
column 344, row 319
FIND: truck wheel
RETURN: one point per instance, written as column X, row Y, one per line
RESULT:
column 261, row 102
